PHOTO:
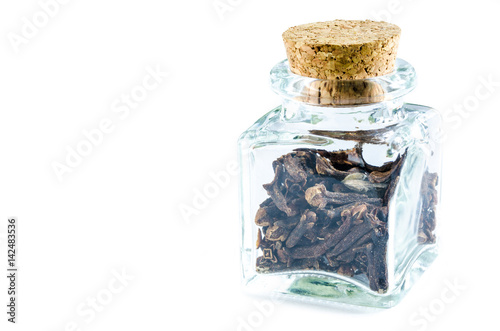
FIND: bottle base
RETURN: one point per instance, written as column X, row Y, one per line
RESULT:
column 334, row 290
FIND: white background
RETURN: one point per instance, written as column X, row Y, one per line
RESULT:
column 119, row 208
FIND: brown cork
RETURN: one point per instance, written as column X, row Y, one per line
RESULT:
column 342, row 92
column 342, row 49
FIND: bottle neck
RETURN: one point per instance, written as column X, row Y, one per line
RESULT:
column 344, row 104
column 346, row 118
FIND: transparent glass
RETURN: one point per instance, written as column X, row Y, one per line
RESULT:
column 339, row 190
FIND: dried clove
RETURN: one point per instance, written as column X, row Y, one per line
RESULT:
column 306, row 223
column 354, row 235
column 277, row 232
column 427, row 223
column 318, row 196
column 329, row 211
column 358, row 182
column 330, row 240
column 324, row 167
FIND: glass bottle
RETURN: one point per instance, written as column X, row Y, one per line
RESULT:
column 339, row 189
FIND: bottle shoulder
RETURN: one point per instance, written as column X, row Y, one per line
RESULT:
column 424, row 113
column 268, row 123
column 377, row 123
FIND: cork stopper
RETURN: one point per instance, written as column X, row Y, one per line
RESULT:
column 342, row 92
column 342, row 49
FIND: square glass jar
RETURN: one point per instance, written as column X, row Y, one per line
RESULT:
column 339, row 190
